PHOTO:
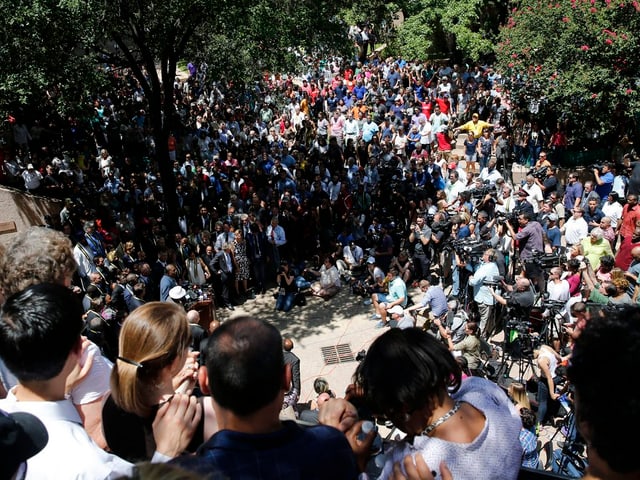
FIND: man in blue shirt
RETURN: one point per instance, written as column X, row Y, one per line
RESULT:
column 604, row 181
column 247, row 378
column 488, row 270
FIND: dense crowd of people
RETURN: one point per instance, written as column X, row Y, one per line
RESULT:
column 347, row 176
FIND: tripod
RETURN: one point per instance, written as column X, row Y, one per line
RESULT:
column 551, row 328
column 518, row 351
column 569, row 459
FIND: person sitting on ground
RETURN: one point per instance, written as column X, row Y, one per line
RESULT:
column 400, row 318
column 404, row 264
column 528, row 439
column 247, row 378
column 469, row 347
column 374, row 281
column 329, row 279
column 286, row 287
column 518, row 395
column 397, row 296
column 434, row 299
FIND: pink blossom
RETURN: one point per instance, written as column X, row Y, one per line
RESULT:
column 511, row 64
column 593, row 2
column 565, row 19
column 593, row 9
column 514, row 55
column 609, row 32
column 608, row 41
column 629, row 91
column 636, row 5
column 623, row 36
column 585, row 48
column 594, row 95
column 608, row 2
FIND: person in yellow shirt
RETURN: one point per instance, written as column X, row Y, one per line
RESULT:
column 475, row 126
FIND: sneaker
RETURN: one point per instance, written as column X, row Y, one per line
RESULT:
column 375, row 316
column 381, row 324
column 367, row 302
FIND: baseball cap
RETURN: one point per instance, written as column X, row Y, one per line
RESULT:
column 30, row 166
column 22, row 435
column 397, row 309
column 523, row 193
column 177, row 293
column 371, row 260
column 552, row 217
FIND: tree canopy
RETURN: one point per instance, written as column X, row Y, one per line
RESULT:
column 580, row 57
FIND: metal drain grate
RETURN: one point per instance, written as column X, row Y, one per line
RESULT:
column 337, row 354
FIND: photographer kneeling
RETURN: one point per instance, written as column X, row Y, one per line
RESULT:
column 469, row 347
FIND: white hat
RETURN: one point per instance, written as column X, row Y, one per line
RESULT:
column 177, row 293
column 397, row 309
column 552, row 217
column 371, row 260
column 30, row 166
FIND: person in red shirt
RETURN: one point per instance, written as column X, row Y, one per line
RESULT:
column 630, row 216
column 624, row 257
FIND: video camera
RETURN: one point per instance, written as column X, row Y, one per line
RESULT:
column 547, row 260
column 595, row 166
column 486, row 189
column 493, row 281
column 470, row 249
column 511, row 218
column 539, row 173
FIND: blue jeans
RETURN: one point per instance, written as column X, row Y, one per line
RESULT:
column 285, row 301
column 543, row 397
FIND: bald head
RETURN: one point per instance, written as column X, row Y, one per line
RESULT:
column 193, row 316
column 522, row 283
column 635, row 253
column 287, row 344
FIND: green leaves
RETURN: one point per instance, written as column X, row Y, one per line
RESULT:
column 582, row 54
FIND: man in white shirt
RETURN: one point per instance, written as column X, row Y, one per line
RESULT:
column 454, row 186
column 575, row 228
column 46, row 320
column 535, row 197
column 490, row 173
column 351, row 129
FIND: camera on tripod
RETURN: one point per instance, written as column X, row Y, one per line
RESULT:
column 521, row 340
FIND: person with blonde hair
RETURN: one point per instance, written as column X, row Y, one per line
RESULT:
column 517, row 392
column 152, row 367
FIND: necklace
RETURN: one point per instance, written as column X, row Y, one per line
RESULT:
column 442, row 419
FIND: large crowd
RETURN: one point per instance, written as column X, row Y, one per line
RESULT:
column 349, row 175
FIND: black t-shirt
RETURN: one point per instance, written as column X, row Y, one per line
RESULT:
column 550, row 185
column 520, row 304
